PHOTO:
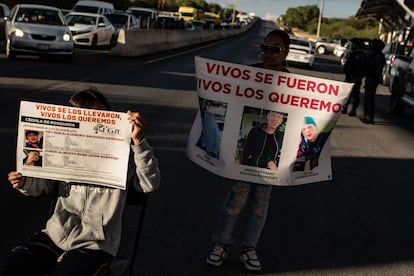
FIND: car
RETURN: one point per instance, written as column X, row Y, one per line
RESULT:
column 4, row 12
column 325, row 46
column 402, row 77
column 38, row 30
column 301, row 52
column 91, row 29
column 390, row 51
column 123, row 20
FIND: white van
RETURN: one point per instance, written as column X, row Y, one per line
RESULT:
column 92, row 6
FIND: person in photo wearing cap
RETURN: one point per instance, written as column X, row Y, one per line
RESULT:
column 310, row 146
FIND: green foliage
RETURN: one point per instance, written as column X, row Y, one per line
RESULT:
column 306, row 18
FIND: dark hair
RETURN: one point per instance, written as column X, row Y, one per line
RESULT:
column 282, row 34
column 88, row 98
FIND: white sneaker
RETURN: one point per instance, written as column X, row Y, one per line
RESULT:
column 250, row 259
column 217, row 255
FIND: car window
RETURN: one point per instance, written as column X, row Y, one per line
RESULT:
column 39, row 16
column 80, row 19
column 117, row 18
column 88, row 9
column 299, row 42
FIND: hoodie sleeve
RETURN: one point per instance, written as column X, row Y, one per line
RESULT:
column 147, row 170
column 37, row 186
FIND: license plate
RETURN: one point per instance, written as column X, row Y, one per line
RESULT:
column 43, row 47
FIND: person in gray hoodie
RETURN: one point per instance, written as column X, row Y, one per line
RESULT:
column 83, row 234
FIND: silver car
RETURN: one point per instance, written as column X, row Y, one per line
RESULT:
column 38, row 30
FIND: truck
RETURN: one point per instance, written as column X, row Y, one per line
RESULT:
column 189, row 14
column 401, row 77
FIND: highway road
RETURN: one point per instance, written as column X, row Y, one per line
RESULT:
column 360, row 223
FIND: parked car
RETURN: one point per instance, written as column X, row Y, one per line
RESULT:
column 4, row 12
column 92, row 30
column 390, row 51
column 402, row 77
column 301, row 52
column 38, row 30
column 123, row 20
column 325, row 46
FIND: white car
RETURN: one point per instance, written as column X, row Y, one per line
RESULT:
column 301, row 52
column 38, row 30
column 89, row 29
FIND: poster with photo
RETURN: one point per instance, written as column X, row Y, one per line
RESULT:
column 73, row 144
column 264, row 126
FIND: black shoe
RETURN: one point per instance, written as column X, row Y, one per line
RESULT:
column 344, row 110
column 352, row 113
column 367, row 120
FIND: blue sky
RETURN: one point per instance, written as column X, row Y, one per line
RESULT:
column 269, row 9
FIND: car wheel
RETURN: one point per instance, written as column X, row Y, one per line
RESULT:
column 321, row 50
column 9, row 52
column 95, row 42
column 396, row 105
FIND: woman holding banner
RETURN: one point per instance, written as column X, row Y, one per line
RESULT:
column 82, row 235
column 274, row 51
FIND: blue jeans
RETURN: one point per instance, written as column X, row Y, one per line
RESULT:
column 257, row 196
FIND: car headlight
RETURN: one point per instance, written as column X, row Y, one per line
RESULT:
column 66, row 37
column 18, row 33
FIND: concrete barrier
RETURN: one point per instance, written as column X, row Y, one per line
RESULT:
column 133, row 43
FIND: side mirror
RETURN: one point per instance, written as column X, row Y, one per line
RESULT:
column 101, row 25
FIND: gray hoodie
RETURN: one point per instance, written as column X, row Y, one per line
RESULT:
column 89, row 216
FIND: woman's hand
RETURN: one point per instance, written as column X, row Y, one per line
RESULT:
column 16, row 179
column 135, row 118
column 271, row 165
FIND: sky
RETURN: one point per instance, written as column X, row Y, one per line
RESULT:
column 271, row 9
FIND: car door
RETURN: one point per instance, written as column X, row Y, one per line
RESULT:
column 105, row 30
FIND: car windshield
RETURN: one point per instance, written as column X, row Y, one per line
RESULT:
column 40, row 16
column 118, row 19
column 73, row 19
column 88, row 9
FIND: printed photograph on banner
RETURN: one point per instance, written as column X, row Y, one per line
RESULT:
column 213, row 115
column 261, row 138
column 33, row 138
column 32, row 158
column 314, row 134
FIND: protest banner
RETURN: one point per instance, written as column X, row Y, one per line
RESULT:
column 73, row 144
column 264, row 126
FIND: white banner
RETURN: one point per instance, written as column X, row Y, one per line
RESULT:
column 73, row 144
column 264, row 126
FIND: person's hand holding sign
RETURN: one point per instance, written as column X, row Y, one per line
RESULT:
column 16, row 179
column 135, row 118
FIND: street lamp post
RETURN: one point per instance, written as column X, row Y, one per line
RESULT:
column 320, row 18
